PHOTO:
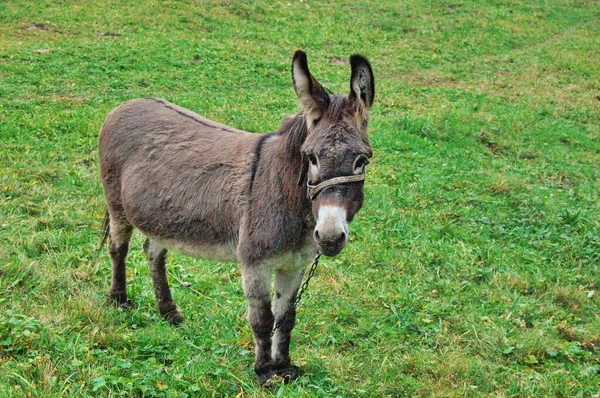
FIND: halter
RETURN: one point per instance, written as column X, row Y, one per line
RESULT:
column 313, row 190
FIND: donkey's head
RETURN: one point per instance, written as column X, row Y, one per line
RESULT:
column 336, row 150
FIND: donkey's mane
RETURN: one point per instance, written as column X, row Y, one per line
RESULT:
column 294, row 131
column 294, row 128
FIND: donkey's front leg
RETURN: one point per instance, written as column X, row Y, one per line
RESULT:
column 256, row 280
column 284, row 310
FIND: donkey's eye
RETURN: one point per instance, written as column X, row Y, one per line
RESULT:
column 312, row 159
column 359, row 164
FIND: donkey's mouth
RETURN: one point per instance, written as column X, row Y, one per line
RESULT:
column 331, row 251
column 330, row 246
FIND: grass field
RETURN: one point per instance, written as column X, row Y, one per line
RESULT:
column 473, row 269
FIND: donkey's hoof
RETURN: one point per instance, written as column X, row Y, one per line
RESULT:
column 121, row 301
column 174, row 318
column 126, row 305
column 275, row 377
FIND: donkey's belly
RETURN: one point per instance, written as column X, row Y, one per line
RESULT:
column 216, row 252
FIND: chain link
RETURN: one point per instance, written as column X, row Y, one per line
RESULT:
column 303, row 288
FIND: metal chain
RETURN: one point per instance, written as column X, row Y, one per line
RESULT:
column 311, row 272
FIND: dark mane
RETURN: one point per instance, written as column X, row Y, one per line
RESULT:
column 294, row 129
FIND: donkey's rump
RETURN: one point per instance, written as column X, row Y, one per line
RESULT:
column 175, row 174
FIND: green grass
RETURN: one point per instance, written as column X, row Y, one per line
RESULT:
column 473, row 269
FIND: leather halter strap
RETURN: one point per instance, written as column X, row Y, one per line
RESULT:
column 313, row 190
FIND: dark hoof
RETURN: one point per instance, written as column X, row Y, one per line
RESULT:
column 126, row 305
column 121, row 301
column 174, row 318
column 275, row 377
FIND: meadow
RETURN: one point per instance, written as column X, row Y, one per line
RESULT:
column 473, row 269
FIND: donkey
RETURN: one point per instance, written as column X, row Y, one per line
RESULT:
column 268, row 201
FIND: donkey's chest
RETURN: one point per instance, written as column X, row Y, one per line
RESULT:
column 296, row 259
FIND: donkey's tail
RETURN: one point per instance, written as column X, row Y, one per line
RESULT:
column 105, row 229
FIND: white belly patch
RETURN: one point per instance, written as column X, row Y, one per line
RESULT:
column 223, row 252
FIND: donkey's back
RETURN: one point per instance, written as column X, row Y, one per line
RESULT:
column 175, row 175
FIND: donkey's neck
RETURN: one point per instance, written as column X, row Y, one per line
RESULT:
column 288, row 147
column 278, row 165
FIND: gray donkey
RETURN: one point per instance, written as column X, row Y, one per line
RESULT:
column 269, row 201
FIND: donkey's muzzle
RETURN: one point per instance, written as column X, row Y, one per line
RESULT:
column 331, row 231
column 330, row 245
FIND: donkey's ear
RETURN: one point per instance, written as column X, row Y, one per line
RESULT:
column 313, row 97
column 362, row 87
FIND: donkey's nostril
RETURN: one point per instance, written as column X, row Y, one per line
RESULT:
column 338, row 240
column 317, row 237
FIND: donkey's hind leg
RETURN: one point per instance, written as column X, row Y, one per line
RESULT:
column 119, row 235
column 157, row 257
